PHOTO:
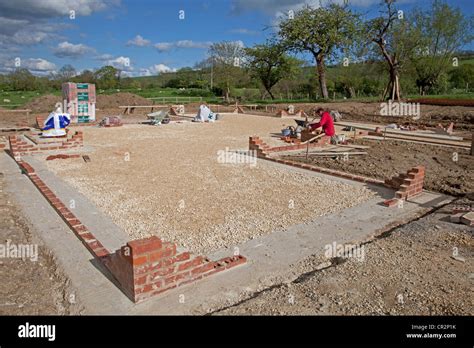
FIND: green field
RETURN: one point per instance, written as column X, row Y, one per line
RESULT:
column 166, row 95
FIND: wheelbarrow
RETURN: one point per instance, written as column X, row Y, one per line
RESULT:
column 158, row 117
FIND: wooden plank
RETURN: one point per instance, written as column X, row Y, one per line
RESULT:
column 332, row 154
column 14, row 129
column 16, row 110
column 397, row 132
column 355, row 146
column 421, row 141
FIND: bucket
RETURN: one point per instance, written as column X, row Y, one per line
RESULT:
column 286, row 132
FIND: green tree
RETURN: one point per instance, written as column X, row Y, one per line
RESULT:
column 396, row 40
column 226, row 58
column 66, row 73
column 462, row 76
column 269, row 63
column 444, row 31
column 107, row 77
column 322, row 32
column 22, row 80
column 85, row 76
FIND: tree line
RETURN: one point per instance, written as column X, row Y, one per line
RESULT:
column 390, row 55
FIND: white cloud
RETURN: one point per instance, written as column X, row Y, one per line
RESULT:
column 192, row 44
column 27, row 22
column 67, row 49
column 52, row 8
column 274, row 7
column 138, row 41
column 163, row 46
column 37, row 66
column 121, row 63
column 166, row 46
column 156, row 70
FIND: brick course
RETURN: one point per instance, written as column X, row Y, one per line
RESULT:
column 20, row 146
column 407, row 184
column 144, row 267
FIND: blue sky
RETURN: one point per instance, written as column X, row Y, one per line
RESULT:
column 142, row 37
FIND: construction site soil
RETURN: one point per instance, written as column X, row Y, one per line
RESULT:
column 44, row 288
column 448, row 170
column 411, row 271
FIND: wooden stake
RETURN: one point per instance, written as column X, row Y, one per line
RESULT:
column 472, row 144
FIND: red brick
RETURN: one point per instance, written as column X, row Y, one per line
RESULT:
column 140, row 260
column 204, row 268
column 80, row 229
column 140, row 280
column 163, row 253
column 73, row 222
column 162, row 272
column 218, row 268
column 391, row 202
column 176, row 278
column 145, row 245
column 190, row 264
column 87, row 236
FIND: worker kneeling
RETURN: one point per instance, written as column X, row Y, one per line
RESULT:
column 326, row 123
column 205, row 114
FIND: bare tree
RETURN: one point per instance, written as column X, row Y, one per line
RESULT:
column 396, row 40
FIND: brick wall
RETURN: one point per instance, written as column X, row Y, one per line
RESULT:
column 20, row 146
column 149, row 266
column 144, row 267
column 407, row 184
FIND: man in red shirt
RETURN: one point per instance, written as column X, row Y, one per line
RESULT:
column 326, row 123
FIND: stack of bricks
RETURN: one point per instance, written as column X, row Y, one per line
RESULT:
column 111, row 121
column 407, row 185
column 144, row 267
column 81, row 100
column 19, row 146
column 463, row 214
column 148, row 267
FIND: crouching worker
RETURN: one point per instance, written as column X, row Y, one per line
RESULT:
column 326, row 123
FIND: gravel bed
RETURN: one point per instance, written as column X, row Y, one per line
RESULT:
column 167, row 180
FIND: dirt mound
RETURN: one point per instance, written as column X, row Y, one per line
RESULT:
column 119, row 99
column 44, row 103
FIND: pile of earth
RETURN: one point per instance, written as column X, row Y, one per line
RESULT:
column 120, row 99
column 44, row 103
